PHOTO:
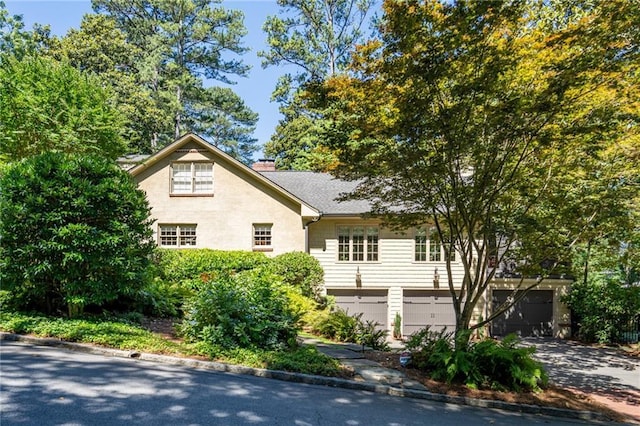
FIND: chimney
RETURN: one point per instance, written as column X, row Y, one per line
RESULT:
column 264, row 165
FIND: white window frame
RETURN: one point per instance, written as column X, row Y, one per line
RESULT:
column 191, row 178
column 435, row 249
column 358, row 243
column 184, row 235
column 420, row 245
column 262, row 236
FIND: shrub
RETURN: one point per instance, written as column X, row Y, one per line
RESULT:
column 247, row 310
column 75, row 231
column 603, row 307
column 338, row 325
column 180, row 266
column 483, row 364
column 300, row 270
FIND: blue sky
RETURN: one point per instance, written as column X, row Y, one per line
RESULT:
column 255, row 90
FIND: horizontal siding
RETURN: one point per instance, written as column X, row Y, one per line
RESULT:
column 395, row 267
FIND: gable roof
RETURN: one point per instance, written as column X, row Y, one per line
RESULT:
column 306, row 209
column 320, row 190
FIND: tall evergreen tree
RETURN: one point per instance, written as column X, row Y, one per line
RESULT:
column 315, row 38
column 184, row 42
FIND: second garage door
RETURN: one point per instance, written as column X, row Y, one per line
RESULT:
column 531, row 316
column 423, row 308
column 371, row 303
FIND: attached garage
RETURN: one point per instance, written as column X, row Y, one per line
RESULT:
column 531, row 316
column 372, row 303
column 423, row 308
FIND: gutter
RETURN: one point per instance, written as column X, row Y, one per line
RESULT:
column 306, row 231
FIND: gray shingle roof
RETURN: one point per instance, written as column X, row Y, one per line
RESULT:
column 320, row 190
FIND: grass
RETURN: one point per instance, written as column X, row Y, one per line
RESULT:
column 122, row 334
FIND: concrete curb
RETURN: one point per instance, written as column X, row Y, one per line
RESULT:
column 306, row 378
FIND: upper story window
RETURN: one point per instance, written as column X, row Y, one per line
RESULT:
column 358, row 243
column 262, row 236
column 177, row 235
column 191, row 178
column 429, row 246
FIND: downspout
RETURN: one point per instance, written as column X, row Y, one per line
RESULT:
column 306, row 231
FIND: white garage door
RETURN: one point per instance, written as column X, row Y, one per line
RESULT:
column 433, row 308
column 371, row 303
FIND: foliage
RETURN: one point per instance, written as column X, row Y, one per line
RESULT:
column 300, row 270
column 397, row 326
column 119, row 334
column 246, row 310
column 49, row 106
column 158, row 298
column 604, row 302
column 75, row 231
column 15, row 40
column 337, row 324
column 484, row 364
column 181, row 266
column 316, row 38
column 182, row 44
column 110, row 332
column 100, row 48
column 504, row 125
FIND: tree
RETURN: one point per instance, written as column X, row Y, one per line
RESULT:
column 15, row 40
column 100, row 48
column 184, row 42
column 47, row 105
column 75, row 231
column 316, row 38
column 607, row 299
column 502, row 124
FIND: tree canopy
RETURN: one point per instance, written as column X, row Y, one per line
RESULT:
column 181, row 44
column 315, row 40
column 46, row 105
column 507, row 125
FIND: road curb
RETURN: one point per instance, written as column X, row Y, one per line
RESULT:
column 306, row 378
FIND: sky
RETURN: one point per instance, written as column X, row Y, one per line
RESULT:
column 255, row 90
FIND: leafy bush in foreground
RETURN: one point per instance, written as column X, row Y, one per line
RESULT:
column 247, row 310
column 300, row 270
column 75, row 232
column 487, row 364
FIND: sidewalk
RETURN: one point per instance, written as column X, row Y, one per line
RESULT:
column 351, row 355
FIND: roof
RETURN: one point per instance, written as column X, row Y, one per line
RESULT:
column 305, row 207
column 320, row 190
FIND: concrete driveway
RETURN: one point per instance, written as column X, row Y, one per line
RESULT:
column 606, row 375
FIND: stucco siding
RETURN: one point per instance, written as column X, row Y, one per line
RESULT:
column 224, row 219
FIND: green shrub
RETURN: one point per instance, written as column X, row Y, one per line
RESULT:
column 75, row 231
column 300, row 270
column 247, row 310
column 337, row 324
column 179, row 266
column 487, row 364
column 603, row 307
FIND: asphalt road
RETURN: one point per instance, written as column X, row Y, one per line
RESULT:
column 46, row 386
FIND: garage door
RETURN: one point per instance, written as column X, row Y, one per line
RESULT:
column 531, row 316
column 372, row 304
column 423, row 308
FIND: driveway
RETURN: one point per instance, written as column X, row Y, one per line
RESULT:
column 604, row 374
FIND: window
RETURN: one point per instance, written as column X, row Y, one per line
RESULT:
column 192, row 178
column 177, row 235
column 358, row 243
column 420, row 244
column 436, row 249
column 262, row 236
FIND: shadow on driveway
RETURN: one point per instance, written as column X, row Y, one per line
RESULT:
column 606, row 375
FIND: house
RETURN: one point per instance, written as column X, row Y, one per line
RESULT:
column 202, row 197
